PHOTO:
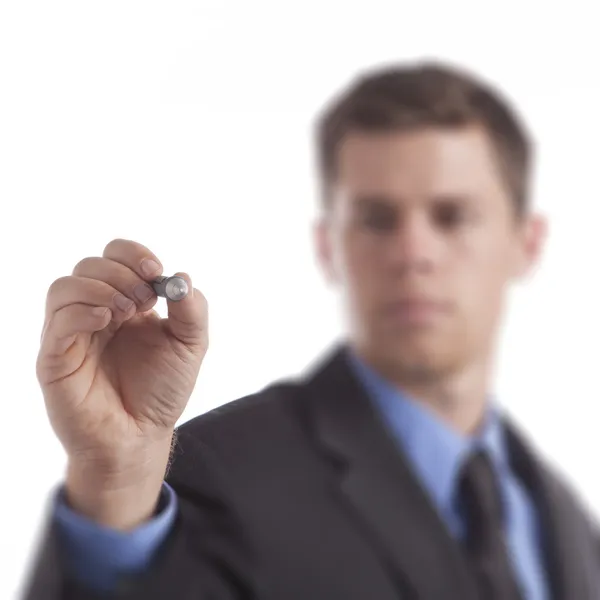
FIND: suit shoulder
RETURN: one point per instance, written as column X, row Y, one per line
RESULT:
column 253, row 416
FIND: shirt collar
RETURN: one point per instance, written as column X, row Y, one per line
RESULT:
column 435, row 451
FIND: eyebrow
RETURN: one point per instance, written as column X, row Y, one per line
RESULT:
column 366, row 200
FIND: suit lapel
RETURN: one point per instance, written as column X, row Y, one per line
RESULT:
column 376, row 483
column 571, row 551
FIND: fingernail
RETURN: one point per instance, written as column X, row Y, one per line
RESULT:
column 143, row 292
column 123, row 303
column 149, row 267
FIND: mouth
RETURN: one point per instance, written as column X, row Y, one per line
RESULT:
column 415, row 311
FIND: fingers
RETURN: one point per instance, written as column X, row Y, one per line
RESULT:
column 119, row 276
column 188, row 318
column 82, row 290
column 121, row 271
column 65, row 339
column 70, row 321
column 119, row 281
column 134, row 256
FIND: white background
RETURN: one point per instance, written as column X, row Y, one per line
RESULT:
column 187, row 127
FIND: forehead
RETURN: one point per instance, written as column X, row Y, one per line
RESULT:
column 422, row 162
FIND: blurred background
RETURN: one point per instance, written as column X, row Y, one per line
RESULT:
column 187, row 127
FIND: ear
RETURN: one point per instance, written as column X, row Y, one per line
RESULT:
column 324, row 248
column 534, row 234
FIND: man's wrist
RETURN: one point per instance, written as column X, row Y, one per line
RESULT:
column 118, row 497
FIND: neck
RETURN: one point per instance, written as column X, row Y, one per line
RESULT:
column 458, row 397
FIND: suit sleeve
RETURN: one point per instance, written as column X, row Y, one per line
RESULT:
column 204, row 555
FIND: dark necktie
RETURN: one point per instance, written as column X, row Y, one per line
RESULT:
column 484, row 542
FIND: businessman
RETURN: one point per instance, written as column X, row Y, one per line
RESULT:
column 387, row 471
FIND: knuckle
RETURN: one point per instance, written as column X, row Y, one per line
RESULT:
column 115, row 245
column 58, row 285
column 83, row 264
column 40, row 367
column 127, row 252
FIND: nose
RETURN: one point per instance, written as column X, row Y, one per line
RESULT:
column 415, row 245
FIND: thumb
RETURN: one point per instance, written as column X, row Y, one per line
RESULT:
column 187, row 319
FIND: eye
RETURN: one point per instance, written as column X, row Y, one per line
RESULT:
column 450, row 215
column 379, row 218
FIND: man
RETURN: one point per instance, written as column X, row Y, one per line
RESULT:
column 386, row 472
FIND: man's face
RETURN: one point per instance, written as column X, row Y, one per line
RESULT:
column 423, row 239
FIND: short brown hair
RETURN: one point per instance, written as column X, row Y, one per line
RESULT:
column 424, row 95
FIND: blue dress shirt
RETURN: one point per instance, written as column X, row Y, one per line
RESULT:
column 97, row 556
column 436, row 453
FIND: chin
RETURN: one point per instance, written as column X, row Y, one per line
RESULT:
column 419, row 360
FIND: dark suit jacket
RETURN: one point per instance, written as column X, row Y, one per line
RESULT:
column 299, row 492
